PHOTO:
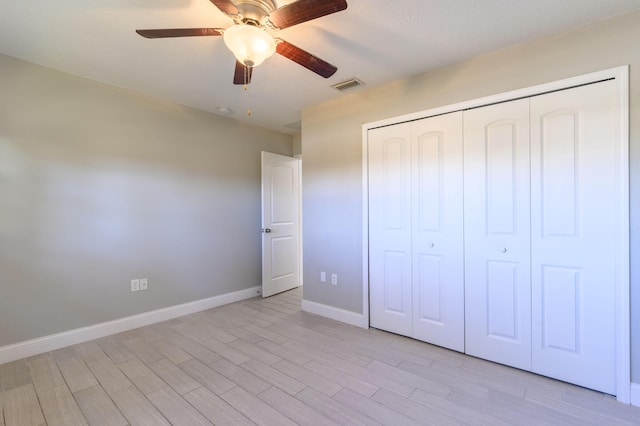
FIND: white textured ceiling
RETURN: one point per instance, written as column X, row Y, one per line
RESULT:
column 375, row 40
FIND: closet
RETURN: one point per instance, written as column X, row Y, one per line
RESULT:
column 494, row 231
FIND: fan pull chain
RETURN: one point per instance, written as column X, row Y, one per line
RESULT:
column 246, row 89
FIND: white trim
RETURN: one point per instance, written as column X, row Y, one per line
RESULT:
column 300, row 241
column 621, row 75
column 337, row 314
column 60, row 340
column 635, row 394
column 365, row 226
column 623, row 290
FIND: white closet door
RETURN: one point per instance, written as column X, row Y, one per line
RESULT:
column 497, row 239
column 438, row 257
column 390, row 229
column 575, row 206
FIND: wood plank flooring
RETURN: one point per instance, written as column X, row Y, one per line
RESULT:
column 264, row 362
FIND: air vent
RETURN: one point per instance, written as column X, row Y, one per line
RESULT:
column 348, row 84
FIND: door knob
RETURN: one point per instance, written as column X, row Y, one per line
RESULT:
column 266, row 230
column 504, row 250
column 431, row 244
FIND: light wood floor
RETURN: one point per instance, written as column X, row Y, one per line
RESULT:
column 265, row 362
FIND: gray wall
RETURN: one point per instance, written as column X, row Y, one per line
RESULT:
column 331, row 144
column 100, row 185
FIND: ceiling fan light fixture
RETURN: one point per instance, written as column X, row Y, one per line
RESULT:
column 250, row 45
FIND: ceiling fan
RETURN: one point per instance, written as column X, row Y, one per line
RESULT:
column 249, row 39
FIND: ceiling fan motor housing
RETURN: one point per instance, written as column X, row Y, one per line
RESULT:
column 254, row 11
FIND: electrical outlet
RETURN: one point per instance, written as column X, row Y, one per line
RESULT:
column 334, row 279
column 323, row 277
column 135, row 285
column 144, row 284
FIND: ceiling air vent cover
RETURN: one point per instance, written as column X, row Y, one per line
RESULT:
column 348, row 84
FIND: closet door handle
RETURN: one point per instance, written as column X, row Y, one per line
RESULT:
column 431, row 245
column 504, row 250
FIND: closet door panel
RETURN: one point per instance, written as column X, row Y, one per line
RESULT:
column 497, row 233
column 437, row 249
column 574, row 215
column 390, row 229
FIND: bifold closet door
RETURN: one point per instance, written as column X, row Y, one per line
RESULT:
column 390, row 290
column 416, row 270
column 437, row 243
column 497, row 239
column 575, row 211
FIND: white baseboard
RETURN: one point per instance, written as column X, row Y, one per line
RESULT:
column 337, row 314
column 635, row 394
column 60, row 340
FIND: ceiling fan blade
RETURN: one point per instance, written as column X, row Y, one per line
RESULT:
column 305, row 59
column 242, row 74
column 226, row 6
column 304, row 10
column 180, row 32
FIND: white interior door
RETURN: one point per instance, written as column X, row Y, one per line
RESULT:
column 574, row 234
column 280, row 224
column 497, row 233
column 390, row 229
column 437, row 228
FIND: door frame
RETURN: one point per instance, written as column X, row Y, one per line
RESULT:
column 621, row 77
column 300, row 247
